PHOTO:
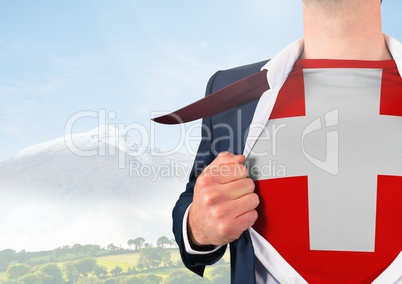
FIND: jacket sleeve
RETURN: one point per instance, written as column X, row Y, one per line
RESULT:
column 204, row 157
column 209, row 146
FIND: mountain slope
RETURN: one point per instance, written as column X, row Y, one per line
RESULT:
column 99, row 186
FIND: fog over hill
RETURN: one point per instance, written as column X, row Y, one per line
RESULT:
column 97, row 187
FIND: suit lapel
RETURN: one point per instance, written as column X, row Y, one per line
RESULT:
column 278, row 68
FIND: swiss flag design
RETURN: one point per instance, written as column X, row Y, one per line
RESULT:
column 284, row 208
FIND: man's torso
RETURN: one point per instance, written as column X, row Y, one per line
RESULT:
column 329, row 172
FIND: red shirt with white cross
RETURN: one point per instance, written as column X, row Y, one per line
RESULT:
column 328, row 170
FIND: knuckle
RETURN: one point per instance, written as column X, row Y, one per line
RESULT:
column 240, row 170
column 253, row 217
column 214, row 170
column 253, row 200
column 221, row 171
column 250, row 218
column 212, row 215
column 223, row 229
column 222, row 154
column 250, row 184
column 244, row 170
column 256, row 199
column 215, row 213
column 209, row 198
column 202, row 181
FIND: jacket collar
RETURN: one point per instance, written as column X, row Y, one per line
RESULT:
column 395, row 48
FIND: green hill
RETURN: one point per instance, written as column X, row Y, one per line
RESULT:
column 91, row 264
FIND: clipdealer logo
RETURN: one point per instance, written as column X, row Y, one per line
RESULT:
column 331, row 162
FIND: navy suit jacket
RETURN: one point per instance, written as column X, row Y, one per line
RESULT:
column 226, row 131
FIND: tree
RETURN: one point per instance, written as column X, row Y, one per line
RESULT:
column 6, row 256
column 149, row 259
column 50, row 274
column 58, row 253
column 162, row 241
column 88, row 280
column 22, row 256
column 71, row 271
column 152, row 279
column 91, row 250
column 61, row 253
column 154, row 258
column 111, row 247
column 173, row 242
column 17, row 271
column 78, row 249
column 130, row 243
column 10, row 282
column 30, row 279
column 166, row 257
column 184, row 277
column 131, row 280
column 111, row 281
column 116, row 271
column 100, row 271
column 85, row 266
column 220, row 274
column 138, row 243
column 131, row 270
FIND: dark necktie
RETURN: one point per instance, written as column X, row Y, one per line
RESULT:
column 238, row 93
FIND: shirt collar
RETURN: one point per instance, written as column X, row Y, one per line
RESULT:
column 395, row 48
column 282, row 64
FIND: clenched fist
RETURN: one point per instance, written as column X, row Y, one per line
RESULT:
column 224, row 202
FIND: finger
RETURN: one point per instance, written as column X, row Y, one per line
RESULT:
column 236, row 189
column 246, row 220
column 231, row 209
column 243, row 204
column 241, row 223
column 225, row 173
column 228, row 158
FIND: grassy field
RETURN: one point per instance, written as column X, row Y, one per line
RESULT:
column 131, row 259
column 124, row 261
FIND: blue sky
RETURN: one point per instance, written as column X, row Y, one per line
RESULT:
column 129, row 58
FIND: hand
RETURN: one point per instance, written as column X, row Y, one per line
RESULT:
column 224, row 202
